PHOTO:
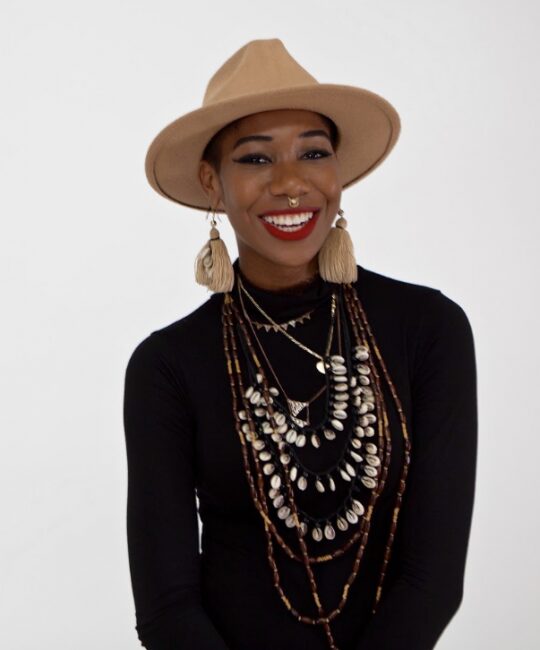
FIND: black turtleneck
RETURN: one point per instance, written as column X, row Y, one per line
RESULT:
column 181, row 443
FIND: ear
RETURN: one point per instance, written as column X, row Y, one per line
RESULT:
column 209, row 180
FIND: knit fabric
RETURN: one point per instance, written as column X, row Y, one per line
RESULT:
column 181, row 442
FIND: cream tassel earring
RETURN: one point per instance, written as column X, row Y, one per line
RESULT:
column 336, row 256
column 213, row 267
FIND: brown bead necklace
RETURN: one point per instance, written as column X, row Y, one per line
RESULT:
column 234, row 328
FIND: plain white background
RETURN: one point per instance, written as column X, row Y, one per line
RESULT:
column 93, row 260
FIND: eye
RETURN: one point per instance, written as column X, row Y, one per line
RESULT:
column 252, row 159
column 315, row 154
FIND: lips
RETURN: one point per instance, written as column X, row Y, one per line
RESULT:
column 291, row 224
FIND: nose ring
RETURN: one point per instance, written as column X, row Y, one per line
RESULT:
column 293, row 203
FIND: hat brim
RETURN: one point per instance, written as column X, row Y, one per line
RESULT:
column 368, row 127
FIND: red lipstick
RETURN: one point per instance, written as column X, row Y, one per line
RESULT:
column 293, row 235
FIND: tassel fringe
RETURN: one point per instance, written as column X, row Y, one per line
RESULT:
column 213, row 267
column 336, row 256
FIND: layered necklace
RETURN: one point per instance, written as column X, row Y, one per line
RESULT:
column 272, row 428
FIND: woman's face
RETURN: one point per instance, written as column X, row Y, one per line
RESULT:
column 264, row 159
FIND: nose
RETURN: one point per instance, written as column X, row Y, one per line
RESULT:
column 287, row 180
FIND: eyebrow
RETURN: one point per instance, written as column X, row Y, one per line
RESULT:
column 268, row 138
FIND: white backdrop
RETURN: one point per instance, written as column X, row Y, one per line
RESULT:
column 93, row 260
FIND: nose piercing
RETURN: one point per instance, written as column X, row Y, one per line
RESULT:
column 293, row 203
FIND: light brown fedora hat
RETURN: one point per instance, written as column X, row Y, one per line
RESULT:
column 263, row 76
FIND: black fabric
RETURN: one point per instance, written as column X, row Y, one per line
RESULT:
column 181, row 441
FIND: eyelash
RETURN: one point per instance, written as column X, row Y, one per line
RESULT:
column 249, row 158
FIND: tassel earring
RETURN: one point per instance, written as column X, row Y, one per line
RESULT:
column 336, row 256
column 213, row 267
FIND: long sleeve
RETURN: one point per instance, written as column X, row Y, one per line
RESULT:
column 436, row 513
column 162, row 527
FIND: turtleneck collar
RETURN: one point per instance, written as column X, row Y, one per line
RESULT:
column 287, row 303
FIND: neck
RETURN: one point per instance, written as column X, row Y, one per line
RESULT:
column 271, row 276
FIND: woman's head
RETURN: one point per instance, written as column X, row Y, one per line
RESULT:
column 254, row 164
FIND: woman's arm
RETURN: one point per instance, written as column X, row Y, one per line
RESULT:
column 435, row 519
column 162, row 528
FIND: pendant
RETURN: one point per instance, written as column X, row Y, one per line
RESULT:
column 321, row 367
column 295, row 408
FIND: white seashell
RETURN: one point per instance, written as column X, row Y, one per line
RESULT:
column 273, row 493
column 259, row 377
column 359, row 432
column 279, row 418
column 300, row 440
column 319, row 485
column 258, row 444
column 358, row 507
column 374, row 461
column 350, row 469
column 368, row 481
column 339, row 371
column 352, row 517
column 276, row 437
column 337, row 358
column 370, row 406
column 268, row 469
column 370, row 471
column 332, row 484
column 303, row 528
column 317, row 534
column 371, row 448
column 302, row 483
column 273, row 390
column 245, row 428
column 282, row 428
column 315, row 441
column 340, row 414
column 242, row 415
column 356, row 456
column 290, row 521
column 353, row 381
column 284, row 512
column 267, row 427
column 363, row 407
column 357, row 401
column 364, row 380
column 356, row 443
column 342, row 523
column 291, row 436
column 345, row 475
column 329, row 531
column 293, row 473
column 255, row 397
column 341, row 397
column 363, row 369
column 265, row 455
column 357, row 391
column 260, row 412
column 275, row 481
column 361, row 352
column 337, row 425
column 369, row 431
column 341, row 387
column 278, row 501
column 249, row 392
column 329, row 434
column 285, row 459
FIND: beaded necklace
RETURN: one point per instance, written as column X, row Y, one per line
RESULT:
column 268, row 437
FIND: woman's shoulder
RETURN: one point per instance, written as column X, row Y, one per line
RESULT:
column 422, row 307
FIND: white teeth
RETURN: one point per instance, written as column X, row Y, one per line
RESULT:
column 294, row 220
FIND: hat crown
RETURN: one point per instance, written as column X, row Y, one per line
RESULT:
column 262, row 65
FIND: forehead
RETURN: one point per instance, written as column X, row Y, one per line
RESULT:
column 290, row 119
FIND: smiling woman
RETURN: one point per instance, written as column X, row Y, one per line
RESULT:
column 324, row 414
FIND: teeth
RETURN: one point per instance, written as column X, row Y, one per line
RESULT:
column 288, row 219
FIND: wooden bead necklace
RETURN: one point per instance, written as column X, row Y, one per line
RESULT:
column 252, row 405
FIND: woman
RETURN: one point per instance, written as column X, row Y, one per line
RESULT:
column 324, row 414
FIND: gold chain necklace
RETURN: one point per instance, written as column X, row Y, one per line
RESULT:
column 295, row 406
column 321, row 363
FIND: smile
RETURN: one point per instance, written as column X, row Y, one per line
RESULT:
column 289, row 222
column 290, row 225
